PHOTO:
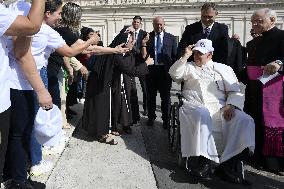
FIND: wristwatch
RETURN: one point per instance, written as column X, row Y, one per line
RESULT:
column 279, row 62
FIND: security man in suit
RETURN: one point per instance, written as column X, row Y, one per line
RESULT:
column 162, row 46
column 139, row 35
column 207, row 28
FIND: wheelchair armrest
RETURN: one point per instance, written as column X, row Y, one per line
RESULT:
column 179, row 95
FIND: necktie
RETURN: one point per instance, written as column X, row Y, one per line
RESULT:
column 206, row 32
column 136, row 35
column 136, row 39
column 158, row 48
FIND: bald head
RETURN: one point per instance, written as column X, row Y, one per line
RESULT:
column 158, row 24
column 265, row 12
column 236, row 36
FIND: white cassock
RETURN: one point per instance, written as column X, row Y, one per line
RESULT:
column 204, row 131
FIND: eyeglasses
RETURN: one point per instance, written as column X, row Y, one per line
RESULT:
column 258, row 21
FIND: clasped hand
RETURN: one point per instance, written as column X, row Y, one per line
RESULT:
column 270, row 68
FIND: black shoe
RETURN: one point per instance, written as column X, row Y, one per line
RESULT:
column 24, row 185
column 202, row 172
column 150, row 122
column 229, row 175
column 145, row 113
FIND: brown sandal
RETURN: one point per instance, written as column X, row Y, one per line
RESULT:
column 115, row 133
column 108, row 140
column 112, row 142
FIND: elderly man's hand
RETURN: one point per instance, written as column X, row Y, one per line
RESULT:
column 228, row 112
column 271, row 68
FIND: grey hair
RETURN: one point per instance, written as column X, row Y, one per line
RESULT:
column 267, row 12
column 71, row 16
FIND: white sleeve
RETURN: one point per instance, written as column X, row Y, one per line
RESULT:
column 7, row 17
column 55, row 40
column 234, row 95
column 179, row 71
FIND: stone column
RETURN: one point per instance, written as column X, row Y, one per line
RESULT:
column 110, row 30
column 118, row 24
column 246, row 30
column 148, row 25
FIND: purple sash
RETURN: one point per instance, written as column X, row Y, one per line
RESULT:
column 254, row 72
column 273, row 117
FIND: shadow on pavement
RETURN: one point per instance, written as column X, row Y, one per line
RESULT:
column 38, row 185
column 169, row 175
column 181, row 177
column 81, row 134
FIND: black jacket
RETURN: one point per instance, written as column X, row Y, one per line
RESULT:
column 169, row 49
column 218, row 35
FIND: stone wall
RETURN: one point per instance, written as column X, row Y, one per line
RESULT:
column 109, row 16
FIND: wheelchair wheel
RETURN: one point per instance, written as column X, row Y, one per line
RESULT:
column 180, row 160
column 173, row 131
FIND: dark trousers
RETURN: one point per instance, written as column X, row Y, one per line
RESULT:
column 134, row 103
column 4, row 133
column 158, row 79
column 144, row 91
column 54, row 90
column 22, row 121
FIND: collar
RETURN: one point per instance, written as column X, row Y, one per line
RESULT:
column 210, row 27
column 269, row 31
column 210, row 64
column 161, row 34
column 137, row 31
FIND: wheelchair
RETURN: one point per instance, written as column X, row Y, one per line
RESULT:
column 174, row 139
column 174, row 131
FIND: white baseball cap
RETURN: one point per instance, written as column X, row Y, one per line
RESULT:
column 48, row 126
column 204, row 46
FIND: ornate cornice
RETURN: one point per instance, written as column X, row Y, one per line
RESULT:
column 191, row 4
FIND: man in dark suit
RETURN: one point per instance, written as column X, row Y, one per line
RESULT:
column 139, row 35
column 207, row 28
column 162, row 46
column 236, row 55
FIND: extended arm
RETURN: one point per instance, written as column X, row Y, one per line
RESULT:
column 27, row 63
column 99, row 50
column 78, row 47
column 178, row 70
column 30, row 24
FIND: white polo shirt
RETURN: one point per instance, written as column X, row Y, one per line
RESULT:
column 43, row 44
column 6, row 19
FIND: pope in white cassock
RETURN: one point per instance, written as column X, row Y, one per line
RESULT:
column 212, row 123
